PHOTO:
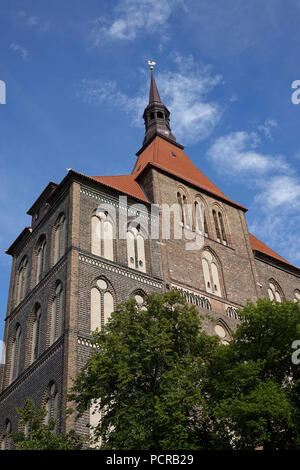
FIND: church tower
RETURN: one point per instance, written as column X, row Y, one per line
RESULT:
column 67, row 276
column 156, row 116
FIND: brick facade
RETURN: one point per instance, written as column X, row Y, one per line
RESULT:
column 243, row 273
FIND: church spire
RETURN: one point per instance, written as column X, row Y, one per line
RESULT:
column 156, row 115
column 153, row 94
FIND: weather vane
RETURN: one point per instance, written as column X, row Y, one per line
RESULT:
column 151, row 64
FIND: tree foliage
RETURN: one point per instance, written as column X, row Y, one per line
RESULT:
column 253, row 385
column 37, row 435
column 160, row 382
column 147, row 368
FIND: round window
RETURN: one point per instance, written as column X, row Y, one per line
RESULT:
column 139, row 299
column 102, row 284
column 220, row 331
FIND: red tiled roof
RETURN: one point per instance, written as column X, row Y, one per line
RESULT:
column 124, row 183
column 159, row 153
column 258, row 245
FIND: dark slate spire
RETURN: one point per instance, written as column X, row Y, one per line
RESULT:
column 153, row 95
column 156, row 117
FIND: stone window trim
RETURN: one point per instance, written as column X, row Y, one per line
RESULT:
column 274, row 290
column 56, row 309
column 50, row 401
column 220, row 223
column 140, row 297
column 95, row 283
column 95, row 416
column 5, row 441
column 14, row 363
column 222, row 330
column 25, row 428
column 205, row 224
column 297, row 295
column 136, row 237
column 60, row 237
column 40, row 258
column 33, row 343
column 105, row 247
column 183, row 198
column 103, row 286
column 22, row 280
column 214, row 278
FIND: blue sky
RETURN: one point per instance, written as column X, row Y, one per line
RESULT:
column 77, row 82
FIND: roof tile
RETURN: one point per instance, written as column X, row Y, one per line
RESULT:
column 124, row 183
column 170, row 158
column 258, row 245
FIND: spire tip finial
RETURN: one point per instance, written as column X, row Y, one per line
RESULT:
column 151, row 64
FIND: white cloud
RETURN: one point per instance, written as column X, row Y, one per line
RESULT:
column 236, row 153
column 32, row 21
column 19, row 49
column 267, row 127
column 278, row 229
column 131, row 18
column 233, row 98
column 275, row 215
column 297, row 155
column 97, row 92
column 193, row 117
column 281, row 191
column 184, row 92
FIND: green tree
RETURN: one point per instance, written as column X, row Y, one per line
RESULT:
column 147, row 366
column 40, row 436
column 165, row 384
column 252, row 384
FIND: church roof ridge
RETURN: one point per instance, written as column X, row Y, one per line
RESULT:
column 261, row 247
column 173, row 160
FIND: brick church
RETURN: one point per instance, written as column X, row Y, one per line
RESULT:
column 69, row 272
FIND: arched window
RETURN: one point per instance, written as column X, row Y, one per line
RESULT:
column 56, row 313
column 297, row 296
column 183, row 206
column 52, row 403
column 60, row 237
column 160, row 116
column 274, row 291
column 139, row 297
column 6, row 442
column 223, row 332
column 102, row 234
column 22, row 280
column 95, row 418
column 212, row 273
column 200, row 219
column 136, row 248
column 16, row 354
column 222, row 228
column 102, row 304
column 36, row 330
column 41, row 258
column 219, row 227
